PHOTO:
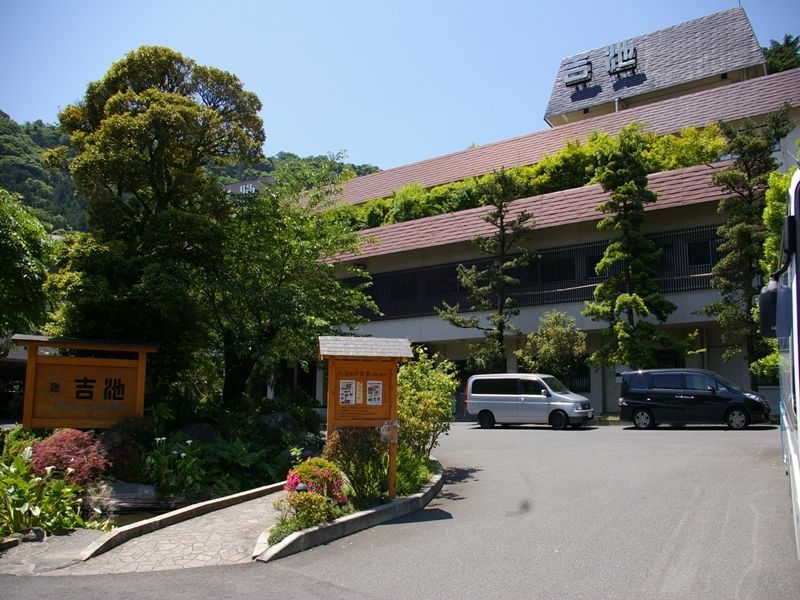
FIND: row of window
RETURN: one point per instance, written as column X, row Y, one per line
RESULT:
column 563, row 274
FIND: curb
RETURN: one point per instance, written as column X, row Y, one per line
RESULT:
column 114, row 538
column 344, row 526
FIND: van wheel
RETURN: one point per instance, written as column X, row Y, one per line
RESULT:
column 642, row 419
column 486, row 419
column 737, row 418
column 559, row 420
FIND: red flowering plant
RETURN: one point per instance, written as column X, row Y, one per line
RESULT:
column 321, row 477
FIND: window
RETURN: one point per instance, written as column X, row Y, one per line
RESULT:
column 558, row 269
column 494, row 386
column 404, row 286
column 591, row 265
column 637, row 381
column 668, row 381
column 699, row 253
column 698, row 381
column 532, row 388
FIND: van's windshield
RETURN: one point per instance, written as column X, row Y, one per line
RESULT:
column 555, row 385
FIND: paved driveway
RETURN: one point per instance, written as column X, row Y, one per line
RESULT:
column 529, row 512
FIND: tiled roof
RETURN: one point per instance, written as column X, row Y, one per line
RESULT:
column 746, row 99
column 694, row 50
column 364, row 346
column 682, row 187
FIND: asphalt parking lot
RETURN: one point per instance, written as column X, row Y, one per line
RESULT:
column 605, row 512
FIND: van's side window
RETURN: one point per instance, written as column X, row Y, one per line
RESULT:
column 698, row 381
column 668, row 381
column 494, row 386
column 532, row 388
column 637, row 381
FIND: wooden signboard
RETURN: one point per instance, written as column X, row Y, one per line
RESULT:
column 362, row 386
column 82, row 392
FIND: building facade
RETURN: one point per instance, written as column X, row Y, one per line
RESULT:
column 694, row 74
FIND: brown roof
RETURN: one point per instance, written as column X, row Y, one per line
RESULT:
column 746, row 99
column 682, row 187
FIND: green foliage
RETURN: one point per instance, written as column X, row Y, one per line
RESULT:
column 299, row 404
column 48, row 192
column 24, row 252
column 782, row 56
column 774, row 211
column 558, row 347
column 744, row 232
column 488, row 288
column 301, row 510
column 277, row 286
column 425, row 391
column 629, row 294
column 413, row 471
column 43, row 501
column 571, row 167
column 175, row 466
column 361, row 455
column 19, row 438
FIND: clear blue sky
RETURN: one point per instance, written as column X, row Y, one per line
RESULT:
column 388, row 83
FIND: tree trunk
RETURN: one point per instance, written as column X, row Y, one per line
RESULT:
column 238, row 368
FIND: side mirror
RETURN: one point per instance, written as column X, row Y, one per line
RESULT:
column 767, row 309
column 712, row 389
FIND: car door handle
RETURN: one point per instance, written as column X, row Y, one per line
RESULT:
column 685, row 397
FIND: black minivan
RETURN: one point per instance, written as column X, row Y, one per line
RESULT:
column 656, row 396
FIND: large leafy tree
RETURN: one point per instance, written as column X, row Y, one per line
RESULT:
column 737, row 275
column 628, row 296
column 143, row 136
column 489, row 288
column 785, row 55
column 23, row 267
column 279, row 286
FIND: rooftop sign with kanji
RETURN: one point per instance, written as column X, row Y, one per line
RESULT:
column 87, row 385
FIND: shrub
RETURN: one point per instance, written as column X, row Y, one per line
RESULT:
column 361, row 454
column 302, row 406
column 39, row 501
column 76, row 455
column 425, row 391
column 321, row 476
column 413, row 471
column 301, row 510
column 19, row 438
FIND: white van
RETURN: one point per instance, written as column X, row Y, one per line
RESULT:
column 525, row 398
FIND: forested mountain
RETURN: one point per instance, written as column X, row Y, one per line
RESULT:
column 50, row 192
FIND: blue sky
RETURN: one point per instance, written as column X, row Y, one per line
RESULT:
column 388, row 83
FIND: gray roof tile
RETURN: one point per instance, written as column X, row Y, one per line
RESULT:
column 704, row 47
column 351, row 346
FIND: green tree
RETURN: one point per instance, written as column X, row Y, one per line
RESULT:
column 737, row 275
column 143, row 136
column 629, row 295
column 558, row 347
column 23, row 267
column 782, row 56
column 278, row 286
column 489, row 288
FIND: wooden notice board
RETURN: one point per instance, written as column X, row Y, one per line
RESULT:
column 82, row 392
column 362, row 386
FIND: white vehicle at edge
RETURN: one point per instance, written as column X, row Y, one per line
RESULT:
column 780, row 319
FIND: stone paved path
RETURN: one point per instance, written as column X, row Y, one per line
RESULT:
column 224, row 536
